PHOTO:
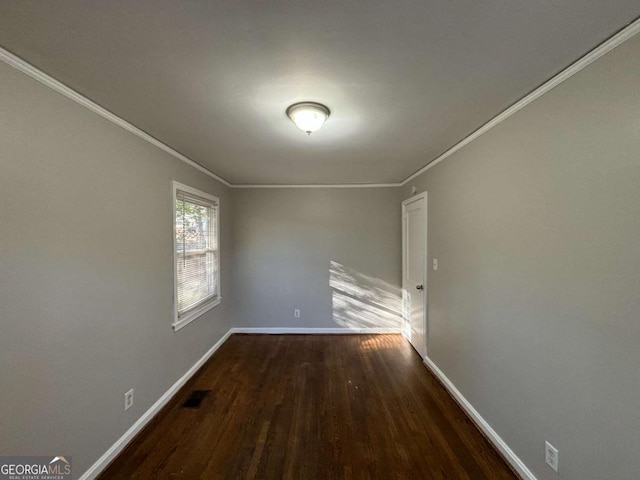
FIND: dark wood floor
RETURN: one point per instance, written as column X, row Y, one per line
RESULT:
column 306, row 407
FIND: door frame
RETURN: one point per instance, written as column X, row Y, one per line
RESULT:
column 425, row 295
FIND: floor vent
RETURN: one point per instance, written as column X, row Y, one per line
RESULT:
column 195, row 398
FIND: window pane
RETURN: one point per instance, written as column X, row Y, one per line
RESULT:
column 196, row 279
column 193, row 226
column 196, row 251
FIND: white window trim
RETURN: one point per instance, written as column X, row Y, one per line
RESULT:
column 179, row 323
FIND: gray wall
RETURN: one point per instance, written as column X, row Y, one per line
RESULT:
column 284, row 242
column 534, row 311
column 86, row 275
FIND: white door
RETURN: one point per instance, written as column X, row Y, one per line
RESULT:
column 414, row 271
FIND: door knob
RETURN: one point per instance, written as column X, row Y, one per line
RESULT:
column 420, row 287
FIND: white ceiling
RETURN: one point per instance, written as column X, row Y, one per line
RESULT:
column 405, row 80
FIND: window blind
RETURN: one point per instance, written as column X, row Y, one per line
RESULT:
column 196, row 251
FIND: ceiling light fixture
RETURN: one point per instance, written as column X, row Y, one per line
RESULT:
column 308, row 116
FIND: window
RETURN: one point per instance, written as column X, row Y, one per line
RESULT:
column 196, row 254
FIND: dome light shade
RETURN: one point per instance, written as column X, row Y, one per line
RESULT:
column 308, row 116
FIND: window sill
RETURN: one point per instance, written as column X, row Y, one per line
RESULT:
column 184, row 321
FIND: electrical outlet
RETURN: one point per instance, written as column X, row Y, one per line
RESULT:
column 128, row 399
column 435, row 264
column 296, row 313
column 551, row 456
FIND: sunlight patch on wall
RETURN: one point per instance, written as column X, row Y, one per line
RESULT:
column 363, row 302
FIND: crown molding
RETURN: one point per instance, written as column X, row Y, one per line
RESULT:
column 605, row 47
column 319, row 185
column 623, row 35
column 37, row 74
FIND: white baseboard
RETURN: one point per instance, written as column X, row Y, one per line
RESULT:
column 516, row 464
column 312, row 331
column 124, row 440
